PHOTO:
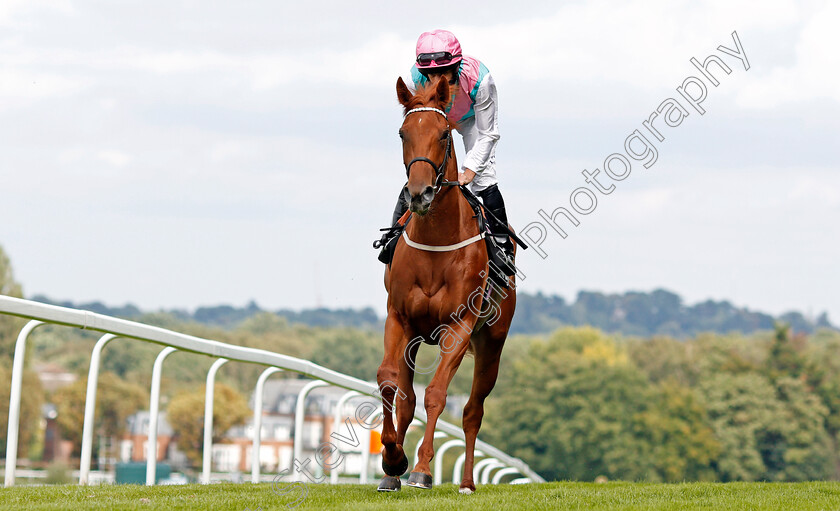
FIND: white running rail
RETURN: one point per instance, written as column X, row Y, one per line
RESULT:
column 40, row 314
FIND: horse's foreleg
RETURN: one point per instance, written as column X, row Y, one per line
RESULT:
column 406, row 406
column 394, row 460
column 435, row 401
column 487, row 357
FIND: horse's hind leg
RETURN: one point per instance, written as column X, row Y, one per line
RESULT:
column 488, row 354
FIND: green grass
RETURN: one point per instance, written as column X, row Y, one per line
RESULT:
column 608, row 496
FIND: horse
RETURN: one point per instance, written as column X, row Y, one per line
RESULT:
column 437, row 288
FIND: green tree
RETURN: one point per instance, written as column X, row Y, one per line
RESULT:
column 712, row 354
column 784, row 359
column 767, row 432
column 116, row 400
column 823, row 354
column 663, row 358
column 32, row 396
column 8, row 285
column 808, row 449
column 575, row 408
column 9, row 325
column 272, row 332
column 31, row 399
column 186, row 416
column 682, row 444
column 351, row 352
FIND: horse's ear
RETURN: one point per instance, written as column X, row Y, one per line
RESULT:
column 403, row 94
column 442, row 91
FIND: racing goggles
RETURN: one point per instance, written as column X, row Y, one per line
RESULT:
column 440, row 58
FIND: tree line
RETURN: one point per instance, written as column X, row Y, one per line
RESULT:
column 658, row 312
column 580, row 404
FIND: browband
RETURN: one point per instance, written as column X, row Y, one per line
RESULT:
column 425, row 109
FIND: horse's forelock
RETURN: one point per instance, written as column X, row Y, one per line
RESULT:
column 425, row 96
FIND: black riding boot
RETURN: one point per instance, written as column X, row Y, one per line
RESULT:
column 501, row 247
column 399, row 209
column 389, row 240
column 494, row 202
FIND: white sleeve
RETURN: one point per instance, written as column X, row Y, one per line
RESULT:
column 408, row 78
column 409, row 82
column 486, row 123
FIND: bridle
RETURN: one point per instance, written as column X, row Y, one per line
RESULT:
column 439, row 182
column 440, row 170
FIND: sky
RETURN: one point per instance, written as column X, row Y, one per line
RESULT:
column 185, row 153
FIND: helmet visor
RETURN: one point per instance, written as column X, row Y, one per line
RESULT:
column 440, row 58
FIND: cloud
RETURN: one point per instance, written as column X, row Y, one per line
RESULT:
column 639, row 43
column 11, row 10
column 249, row 127
column 815, row 74
column 587, row 48
column 113, row 158
column 20, row 86
column 810, row 192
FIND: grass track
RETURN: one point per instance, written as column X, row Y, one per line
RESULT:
column 560, row 495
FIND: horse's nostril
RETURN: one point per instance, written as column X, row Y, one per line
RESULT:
column 406, row 194
column 429, row 194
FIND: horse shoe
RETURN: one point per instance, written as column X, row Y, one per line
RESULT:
column 389, row 483
column 420, row 480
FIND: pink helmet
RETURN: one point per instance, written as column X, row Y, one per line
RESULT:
column 438, row 48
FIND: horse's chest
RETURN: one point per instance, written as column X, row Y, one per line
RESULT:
column 430, row 299
column 426, row 303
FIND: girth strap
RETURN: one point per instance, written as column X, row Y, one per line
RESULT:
column 441, row 248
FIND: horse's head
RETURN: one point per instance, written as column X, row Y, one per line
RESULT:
column 427, row 142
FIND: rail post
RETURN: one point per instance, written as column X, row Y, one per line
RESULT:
column 300, row 411
column 258, row 406
column 459, row 465
column 337, row 414
column 438, row 475
column 14, row 401
column 209, row 391
column 484, row 477
column 497, row 478
column 90, row 407
column 154, row 411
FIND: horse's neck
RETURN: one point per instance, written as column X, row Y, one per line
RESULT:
column 447, row 223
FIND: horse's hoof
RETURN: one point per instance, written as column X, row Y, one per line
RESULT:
column 465, row 491
column 389, row 483
column 395, row 470
column 420, row 480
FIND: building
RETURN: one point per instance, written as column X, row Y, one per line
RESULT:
column 278, row 422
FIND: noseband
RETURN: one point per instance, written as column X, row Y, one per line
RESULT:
column 439, row 169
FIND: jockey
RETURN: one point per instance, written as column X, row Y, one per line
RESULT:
column 475, row 110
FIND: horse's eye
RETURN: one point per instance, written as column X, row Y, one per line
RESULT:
column 444, row 135
column 400, row 133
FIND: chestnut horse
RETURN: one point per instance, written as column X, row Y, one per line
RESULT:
column 436, row 287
